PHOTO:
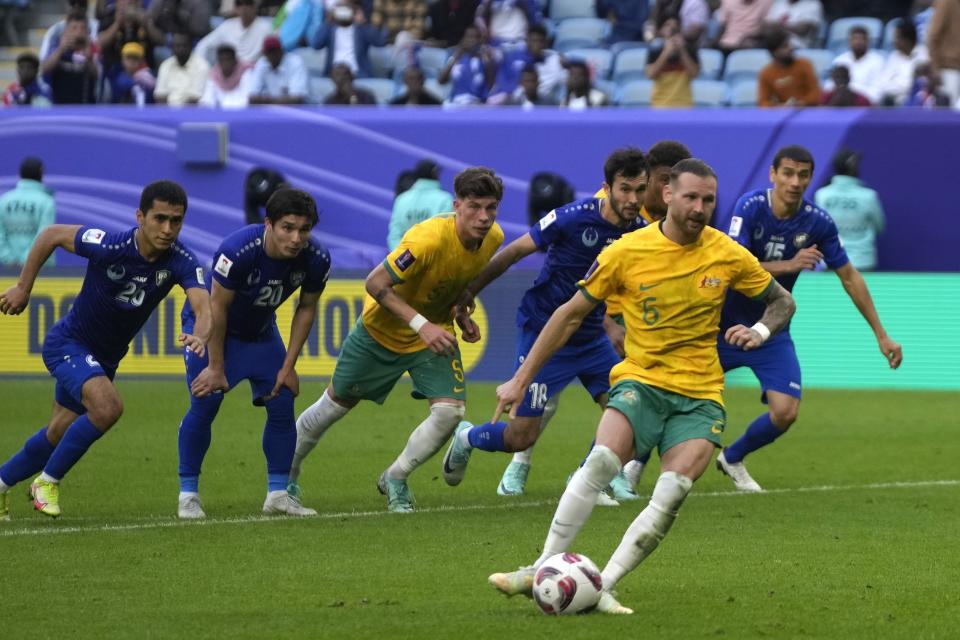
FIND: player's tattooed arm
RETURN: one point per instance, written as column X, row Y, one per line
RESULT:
column 780, row 308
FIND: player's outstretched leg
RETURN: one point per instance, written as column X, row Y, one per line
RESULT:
column 311, row 425
column 458, row 454
column 737, row 472
column 624, row 486
column 4, row 505
column 514, row 480
column 423, row 443
column 193, row 441
column 513, row 583
column 27, row 462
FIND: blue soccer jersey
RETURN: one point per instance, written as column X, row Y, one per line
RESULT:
column 260, row 283
column 573, row 236
column 769, row 238
column 121, row 289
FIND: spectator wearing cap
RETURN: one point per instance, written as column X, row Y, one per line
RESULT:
column 24, row 212
column 29, row 90
column 345, row 91
column 245, row 34
column 415, row 94
column 855, row 209
column 787, row 80
column 183, row 76
column 134, row 83
column 228, row 86
column 278, row 77
column 347, row 37
column 425, row 199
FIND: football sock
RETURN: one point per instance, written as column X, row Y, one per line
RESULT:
column 193, row 441
column 426, row 439
column 279, row 439
column 549, row 411
column 28, row 461
column 633, row 470
column 487, row 436
column 578, row 500
column 648, row 529
column 311, row 425
column 79, row 437
column 760, row 433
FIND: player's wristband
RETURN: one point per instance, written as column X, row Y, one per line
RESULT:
column 416, row 323
column 763, row 330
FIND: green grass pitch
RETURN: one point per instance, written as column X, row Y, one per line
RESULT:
column 857, row 537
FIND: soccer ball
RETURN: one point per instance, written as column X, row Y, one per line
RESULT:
column 567, row 583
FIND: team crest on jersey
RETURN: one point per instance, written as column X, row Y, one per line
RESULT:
column 736, row 222
column 758, row 232
column 116, row 272
column 404, row 260
column 162, row 276
column 223, row 265
column 296, row 278
column 590, row 237
column 92, row 236
column 548, row 220
column 91, row 361
column 709, row 282
column 800, row 239
column 253, row 277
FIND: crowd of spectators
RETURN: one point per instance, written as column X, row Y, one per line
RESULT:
column 575, row 54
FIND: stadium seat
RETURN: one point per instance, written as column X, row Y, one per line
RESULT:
column 609, row 89
column 320, row 88
column 442, row 91
column 709, row 93
column 580, row 33
column 618, row 47
column 381, row 61
column 840, row 28
column 744, row 93
column 821, row 59
column 745, row 63
column 636, row 93
column 598, row 59
column 315, row 59
column 711, row 62
column 888, row 32
column 630, row 65
column 432, row 60
column 383, row 88
column 563, row 9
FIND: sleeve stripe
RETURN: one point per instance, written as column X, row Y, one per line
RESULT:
column 393, row 274
column 766, row 290
column 586, row 294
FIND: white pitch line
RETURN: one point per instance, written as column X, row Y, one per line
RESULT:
column 53, row 529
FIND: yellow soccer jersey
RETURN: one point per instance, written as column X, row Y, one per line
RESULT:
column 430, row 267
column 613, row 302
column 672, row 296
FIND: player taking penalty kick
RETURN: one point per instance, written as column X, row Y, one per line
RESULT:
column 671, row 278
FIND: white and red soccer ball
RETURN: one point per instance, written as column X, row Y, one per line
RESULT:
column 567, row 583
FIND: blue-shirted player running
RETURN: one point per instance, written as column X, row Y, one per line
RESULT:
column 573, row 235
column 254, row 271
column 128, row 274
column 788, row 234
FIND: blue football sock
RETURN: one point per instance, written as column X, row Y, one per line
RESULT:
column 279, row 440
column 79, row 437
column 193, row 440
column 487, row 437
column 760, row 433
column 29, row 461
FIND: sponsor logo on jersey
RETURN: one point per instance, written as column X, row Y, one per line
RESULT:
column 590, row 237
column 404, row 260
column 717, row 427
column 709, row 282
column 162, row 276
column 116, row 272
column 296, row 278
column 800, row 239
column 736, row 222
column 758, row 232
column 223, row 265
column 200, row 275
column 92, row 236
column 548, row 219
column 253, row 277
column 92, row 361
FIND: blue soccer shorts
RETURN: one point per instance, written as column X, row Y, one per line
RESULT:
column 775, row 364
column 591, row 363
column 256, row 361
column 72, row 363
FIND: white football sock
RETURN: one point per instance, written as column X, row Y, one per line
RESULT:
column 648, row 529
column 311, row 425
column 4, row 487
column 632, row 471
column 48, row 478
column 577, row 502
column 549, row 411
column 426, row 439
column 187, row 494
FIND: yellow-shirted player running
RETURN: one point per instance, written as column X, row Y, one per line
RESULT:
column 671, row 278
column 407, row 325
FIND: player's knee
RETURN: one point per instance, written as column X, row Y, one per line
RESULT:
column 105, row 413
column 601, row 466
column 521, row 434
column 670, row 492
column 447, row 415
column 784, row 416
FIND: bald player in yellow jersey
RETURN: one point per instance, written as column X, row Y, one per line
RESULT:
column 407, row 326
column 671, row 278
